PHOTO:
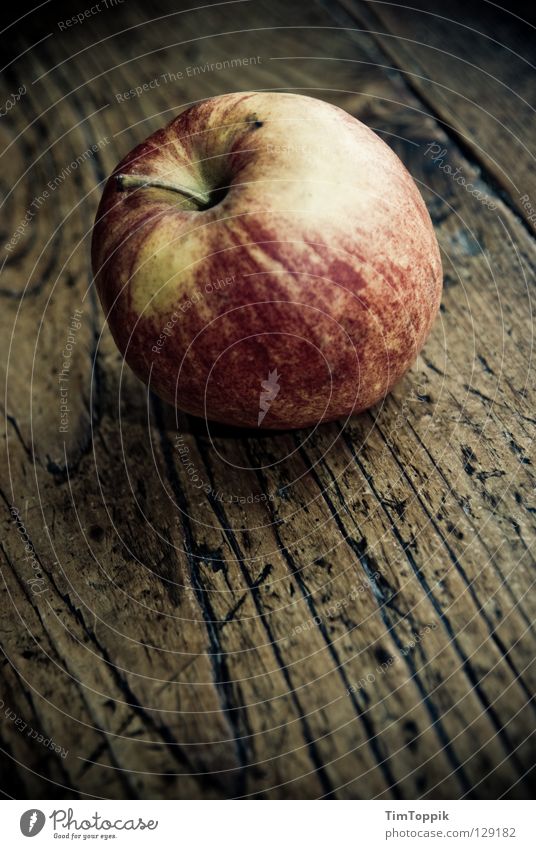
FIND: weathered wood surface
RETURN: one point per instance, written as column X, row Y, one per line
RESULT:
column 367, row 629
column 475, row 73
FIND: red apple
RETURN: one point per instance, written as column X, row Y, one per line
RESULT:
column 266, row 259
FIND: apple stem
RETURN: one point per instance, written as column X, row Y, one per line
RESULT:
column 140, row 181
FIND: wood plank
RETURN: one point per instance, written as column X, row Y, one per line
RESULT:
column 367, row 630
column 473, row 66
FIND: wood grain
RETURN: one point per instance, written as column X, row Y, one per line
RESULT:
column 475, row 73
column 365, row 628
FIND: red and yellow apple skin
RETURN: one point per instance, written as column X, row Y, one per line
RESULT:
column 288, row 239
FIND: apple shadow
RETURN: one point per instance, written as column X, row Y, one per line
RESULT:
column 185, row 422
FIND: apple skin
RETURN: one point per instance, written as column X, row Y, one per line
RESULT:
column 312, row 258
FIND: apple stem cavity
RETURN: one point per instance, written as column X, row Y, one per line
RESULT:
column 140, row 181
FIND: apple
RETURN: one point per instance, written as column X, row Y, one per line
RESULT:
column 266, row 260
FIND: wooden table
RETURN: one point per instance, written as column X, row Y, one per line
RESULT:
column 365, row 632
